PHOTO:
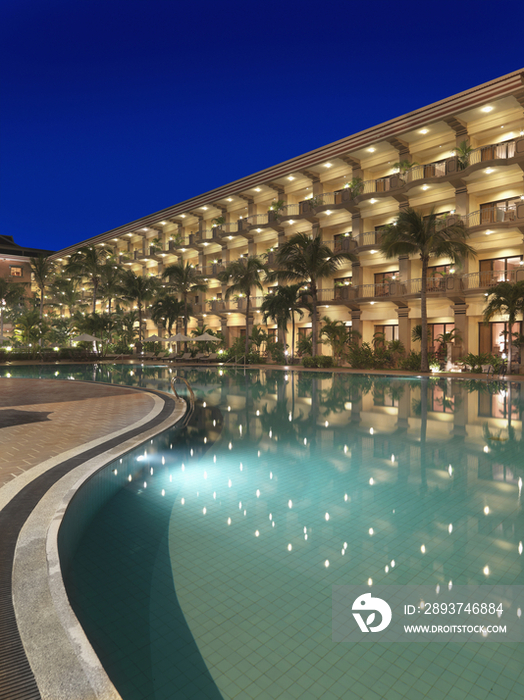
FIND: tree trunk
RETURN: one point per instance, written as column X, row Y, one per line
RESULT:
column 293, row 336
column 511, row 321
column 247, row 327
column 314, row 303
column 424, row 365
column 185, row 321
column 95, row 289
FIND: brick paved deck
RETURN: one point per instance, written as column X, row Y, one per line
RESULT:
column 50, row 430
column 40, row 419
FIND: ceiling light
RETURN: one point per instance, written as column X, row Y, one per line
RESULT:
column 488, row 232
column 204, row 208
column 290, row 177
column 486, row 109
column 328, row 165
column 163, row 223
column 371, row 302
column 183, row 216
column 145, row 229
column 257, row 189
column 373, row 201
column 372, row 149
column 488, row 171
column 292, row 221
column 328, row 212
column 229, row 199
column 372, row 251
column 259, row 230
column 425, row 187
column 423, row 131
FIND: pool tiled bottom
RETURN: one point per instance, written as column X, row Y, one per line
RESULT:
column 210, row 573
column 187, row 604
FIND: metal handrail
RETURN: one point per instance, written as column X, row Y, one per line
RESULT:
column 191, row 393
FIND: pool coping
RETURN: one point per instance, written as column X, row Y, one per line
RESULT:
column 59, row 654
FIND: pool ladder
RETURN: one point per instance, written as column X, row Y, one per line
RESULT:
column 191, row 393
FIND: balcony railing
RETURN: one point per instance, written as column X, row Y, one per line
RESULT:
column 489, row 278
column 491, row 215
column 257, row 219
column 343, row 244
column 368, row 238
column 495, row 151
column 228, row 228
column 289, row 210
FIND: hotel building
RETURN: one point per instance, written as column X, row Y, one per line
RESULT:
column 347, row 191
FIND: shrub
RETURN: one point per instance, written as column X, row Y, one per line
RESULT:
column 475, row 362
column 324, row 361
column 411, row 362
column 361, row 356
column 276, row 352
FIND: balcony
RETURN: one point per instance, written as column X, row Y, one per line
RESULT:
column 368, row 239
column 257, row 220
column 489, row 278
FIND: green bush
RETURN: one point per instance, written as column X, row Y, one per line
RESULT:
column 411, row 362
column 253, row 358
column 361, row 356
column 324, row 361
column 475, row 362
column 276, row 353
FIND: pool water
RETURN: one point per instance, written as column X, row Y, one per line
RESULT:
column 209, row 572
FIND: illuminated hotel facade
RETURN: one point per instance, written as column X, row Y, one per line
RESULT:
column 347, row 191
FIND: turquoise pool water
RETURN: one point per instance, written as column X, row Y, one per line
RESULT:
column 208, row 570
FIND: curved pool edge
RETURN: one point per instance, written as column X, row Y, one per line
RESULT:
column 61, row 658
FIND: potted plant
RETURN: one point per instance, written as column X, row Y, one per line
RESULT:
column 403, row 167
column 356, row 186
column 463, row 152
column 274, row 210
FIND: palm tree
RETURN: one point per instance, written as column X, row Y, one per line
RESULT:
column 281, row 307
column 506, row 298
column 463, row 152
column 42, row 270
column 336, row 335
column 413, row 234
column 110, row 283
column 11, row 293
column 242, row 275
column 308, row 260
column 30, row 328
column 166, row 311
column 139, row 289
column 66, row 293
column 185, row 280
column 89, row 262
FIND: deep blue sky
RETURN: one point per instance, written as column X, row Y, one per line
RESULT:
column 114, row 109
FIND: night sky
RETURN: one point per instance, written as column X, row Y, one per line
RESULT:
column 114, row 109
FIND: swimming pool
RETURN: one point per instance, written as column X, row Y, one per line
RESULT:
column 209, row 573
